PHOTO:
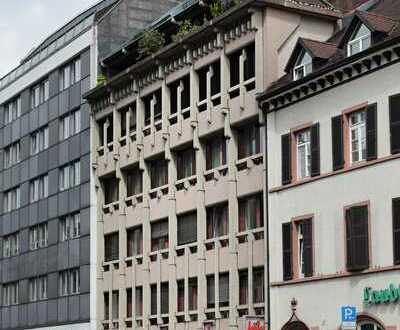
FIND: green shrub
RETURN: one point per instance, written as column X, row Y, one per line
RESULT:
column 185, row 28
column 151, row 42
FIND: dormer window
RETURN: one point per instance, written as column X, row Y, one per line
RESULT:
column 360, row 40
column 303, row 66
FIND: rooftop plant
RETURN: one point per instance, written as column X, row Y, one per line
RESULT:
column 151, row 42
column 185, row 27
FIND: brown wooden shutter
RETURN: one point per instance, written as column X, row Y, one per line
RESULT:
column 394, row 117
column 357, row 238
column 308, row 248
column 287, row 251
column 286, row 160
column 396, row 230
column 315, row 154
column 371, row 124
column 337, row 143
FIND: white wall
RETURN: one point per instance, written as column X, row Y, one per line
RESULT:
column 319, row 301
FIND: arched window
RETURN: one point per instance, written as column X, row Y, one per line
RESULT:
column 368, row 323
column 295, row 325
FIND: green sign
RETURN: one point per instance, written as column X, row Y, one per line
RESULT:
column 389, row 295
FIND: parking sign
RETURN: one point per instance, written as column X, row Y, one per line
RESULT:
column 349, row 317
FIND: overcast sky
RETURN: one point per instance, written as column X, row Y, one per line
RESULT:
column 25, row 23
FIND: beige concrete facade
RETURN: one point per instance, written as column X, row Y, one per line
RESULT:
column 225, row 114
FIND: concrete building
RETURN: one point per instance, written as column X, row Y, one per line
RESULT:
column 46, row 229
column 179, row 163
column 333, row 180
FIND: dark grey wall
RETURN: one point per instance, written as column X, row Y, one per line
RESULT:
column 58, row 255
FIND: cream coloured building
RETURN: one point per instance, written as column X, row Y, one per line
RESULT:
column 333, row 179
column 178, row 158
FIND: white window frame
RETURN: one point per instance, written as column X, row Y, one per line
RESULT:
column 306, row 161
column 70, row 227
column 360, row 130
column 306, row 67
column 359, row 41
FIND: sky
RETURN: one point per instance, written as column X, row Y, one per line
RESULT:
column 25, row 23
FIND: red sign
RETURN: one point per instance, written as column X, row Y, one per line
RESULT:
column 254, row 325
column 208, row 326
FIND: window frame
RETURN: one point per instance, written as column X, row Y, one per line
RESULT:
column 359, row 40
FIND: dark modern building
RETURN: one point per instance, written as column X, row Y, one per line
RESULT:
column 45, row 191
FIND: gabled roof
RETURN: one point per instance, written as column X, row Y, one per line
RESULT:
column 377, row 19
column 374, row 22
column 316, row 49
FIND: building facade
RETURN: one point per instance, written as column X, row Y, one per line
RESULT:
column 46, row 258
column 179, row 167
column 333, row 140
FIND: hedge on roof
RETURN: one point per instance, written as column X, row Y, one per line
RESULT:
column 151, row 42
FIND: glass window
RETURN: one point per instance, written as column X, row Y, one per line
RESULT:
column 303, row 154
column 358, row 140
column 303, row 66
column 360, row 40
column 251, row 213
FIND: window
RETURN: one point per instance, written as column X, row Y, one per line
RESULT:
column 115, row 305
column 70, row 74
column 70, row 124
column 70, row 227
column 258, row 285
column 38, row 288
column 303, row 66
column 153, row 299
column 10, row 245
column 182, row 85
column 39, row 140
column 303, row 154
column 139, row 301
column 10, row 294
column 158, row 173
column 217, row 221
column 358, row 145
column 135, row 241
column 39, row 93
column 224, row 289
column 11, row 155
column 210, row 291
column 369, row 325
column 396, row 230
column 192, row 294
column 152, row 101
column 251, row 213
column 106, row 130
column 164, row 298
column 69, row 282
column 39, row 188
column 134, row 182
column 394, row 118
column 247, row 57
column 70, row 176
column 111, row 190
column 360, row 137
column 181, row 295
column 12, row 110
column 38, row 236
column 106, row 297
column 360, row 40
column 209, row 79
column 11, row 200
column 297, row 245
column 187, row 228
column 111, row 247
column 357, row 238
column 249, row 140
column 186, row 163
column 130, row 112
column 159, row 235
column 243, row 287
column 215, row 152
